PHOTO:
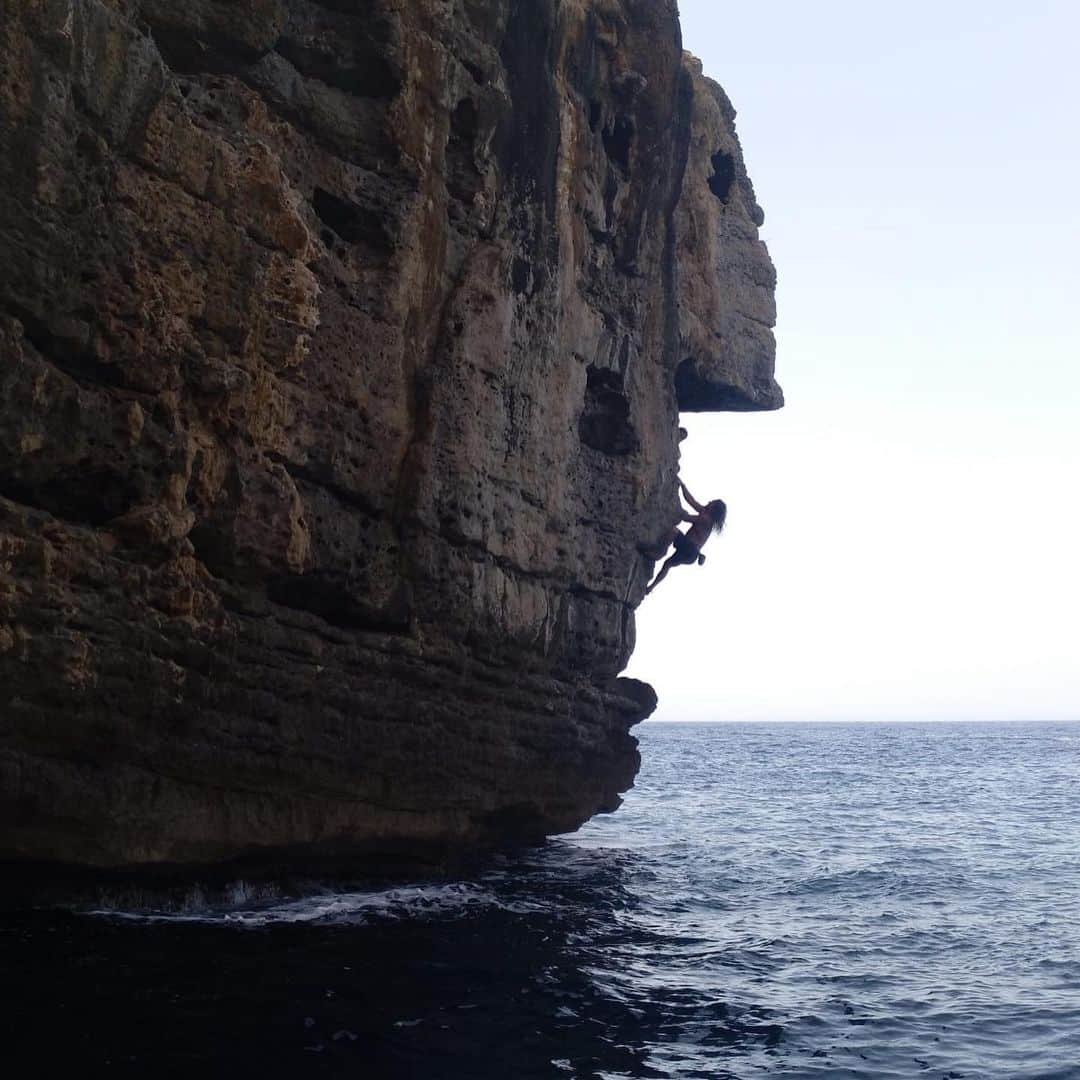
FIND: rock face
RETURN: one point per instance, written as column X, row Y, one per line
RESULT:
column 342, row 345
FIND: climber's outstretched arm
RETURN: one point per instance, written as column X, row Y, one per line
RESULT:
column 690, row 498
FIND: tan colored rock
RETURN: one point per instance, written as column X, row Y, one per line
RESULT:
column 341, row 353
column 726, row 279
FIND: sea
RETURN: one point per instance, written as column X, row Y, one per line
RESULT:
column 810, row 900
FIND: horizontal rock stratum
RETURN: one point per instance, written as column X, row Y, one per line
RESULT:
column 342, row 348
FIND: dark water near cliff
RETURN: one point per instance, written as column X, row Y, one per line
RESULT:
column 773, row 900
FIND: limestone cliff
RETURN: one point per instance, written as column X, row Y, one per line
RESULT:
column 342, row 345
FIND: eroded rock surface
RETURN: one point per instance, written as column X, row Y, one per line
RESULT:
column 342, row 344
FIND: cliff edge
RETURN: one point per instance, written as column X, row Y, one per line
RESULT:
column 342, row 346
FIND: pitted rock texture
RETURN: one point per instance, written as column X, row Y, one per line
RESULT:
column 726, row 280
column 342, row 344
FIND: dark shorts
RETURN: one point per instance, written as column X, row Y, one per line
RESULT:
column 686, row 551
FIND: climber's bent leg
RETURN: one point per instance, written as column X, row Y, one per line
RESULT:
column 673, row 561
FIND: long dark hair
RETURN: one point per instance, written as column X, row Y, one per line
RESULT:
column 718, row 512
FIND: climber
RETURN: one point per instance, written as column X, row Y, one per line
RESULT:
column 708, row 519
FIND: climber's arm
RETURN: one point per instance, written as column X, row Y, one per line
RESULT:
column 690, row 499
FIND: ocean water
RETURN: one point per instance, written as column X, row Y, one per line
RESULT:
column 803, row 900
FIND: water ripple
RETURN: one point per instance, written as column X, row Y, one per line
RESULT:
column 789, row 901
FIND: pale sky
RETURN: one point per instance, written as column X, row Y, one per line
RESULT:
column 903, row 538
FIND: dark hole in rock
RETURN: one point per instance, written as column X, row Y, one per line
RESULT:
column 366, row 73
column 596, row 112
column 86, row 146
column 463, row 179
column 463, row 120
column 723, row 175
column 91, row 496
column 354, row 224
column 188, row 51
column 213, row 548
column 605, row 421
column 617, row 141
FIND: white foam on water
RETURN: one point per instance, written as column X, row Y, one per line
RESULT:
column 419, row 901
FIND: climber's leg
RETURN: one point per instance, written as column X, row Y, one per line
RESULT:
column 673, row 561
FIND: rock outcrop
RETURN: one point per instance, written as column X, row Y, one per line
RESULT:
column 342, row 345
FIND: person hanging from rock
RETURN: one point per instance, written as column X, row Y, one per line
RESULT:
column 709, row 519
